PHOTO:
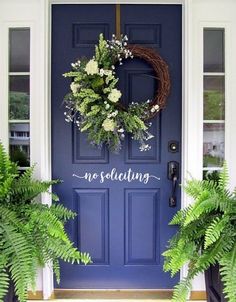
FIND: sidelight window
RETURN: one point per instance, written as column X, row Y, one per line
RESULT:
column 214, row 100
column 19, row 95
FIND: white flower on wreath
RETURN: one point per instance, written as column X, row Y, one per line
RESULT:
column 105, row 72
column 155, row 108
column 92, row 67
column 101, row 72
column 108, row 124
column 74, row 87
column 112, row 114
column 114, row 95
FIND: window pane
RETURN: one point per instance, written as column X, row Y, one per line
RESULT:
column 19, row 49
column 213, row 144
column 214, row 106
column 19, row 98
column 213, row 50
column 20, row 143
column 211, row 175
column 19, row 95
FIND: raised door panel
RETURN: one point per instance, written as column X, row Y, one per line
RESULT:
column 92, row 223
column 142, row 217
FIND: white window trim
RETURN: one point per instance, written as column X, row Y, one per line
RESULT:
column 4, row 94
column 38, row 111
column 227, row 74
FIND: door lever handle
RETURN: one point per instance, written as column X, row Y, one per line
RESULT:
column 173, row 174
column 172, row 199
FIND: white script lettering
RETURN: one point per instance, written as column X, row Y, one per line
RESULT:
column 114, row 175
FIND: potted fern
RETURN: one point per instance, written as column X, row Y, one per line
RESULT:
column 206, row 237
column 31, row 234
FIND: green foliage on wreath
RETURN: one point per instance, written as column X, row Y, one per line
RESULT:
column 206, row 235
column 32, row 234
column 94, row 100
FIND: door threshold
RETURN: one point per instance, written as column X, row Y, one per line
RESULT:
column 113, row 293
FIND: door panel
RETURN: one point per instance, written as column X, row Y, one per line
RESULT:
column 92, row 224
column 142, row 215
column 123, row 213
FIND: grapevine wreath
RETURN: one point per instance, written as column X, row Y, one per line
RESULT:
column 94, row 101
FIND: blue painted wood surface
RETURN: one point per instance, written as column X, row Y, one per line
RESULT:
column 122, row 224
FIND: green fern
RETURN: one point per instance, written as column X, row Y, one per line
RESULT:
column 206, row 235
column 224, row 178
column 213, row 254
column 179, row 217
column 179, row 256
column 215, row 230
column 24, row 224
column 4, row 277
column 56, row 269
column 181, row 290
column 18, row 254
column 205, row 203
column 228, row 273
column 62, row 213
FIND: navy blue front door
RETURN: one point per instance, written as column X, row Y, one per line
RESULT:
column 122, row 223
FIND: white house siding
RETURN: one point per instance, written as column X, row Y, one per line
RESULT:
column 197, row 14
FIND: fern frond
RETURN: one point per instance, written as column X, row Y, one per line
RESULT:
column 181, row 290
column 179, row 217
column 19, row 254
column 5, row 188
column 214, row 230
column 193, row 187
column 63, row 250
column 228, row 273
column 225, row 201
column 9, row 216
column 61, row 212
column 26, row 176
column 205, row 204
column 4, row 278
column 41, row 254
column 43, row 217
column 179, row 255
column 7, row 168
column 224, row 177
column 56, row 269
column 214, row 253
column 22, row 192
